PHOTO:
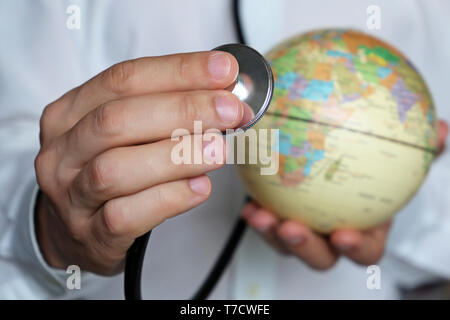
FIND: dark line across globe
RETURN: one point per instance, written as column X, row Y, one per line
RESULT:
column 433, row 151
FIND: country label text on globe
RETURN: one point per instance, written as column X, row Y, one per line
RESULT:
column 358, row 131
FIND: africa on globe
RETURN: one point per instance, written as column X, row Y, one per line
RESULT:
column 357, row 131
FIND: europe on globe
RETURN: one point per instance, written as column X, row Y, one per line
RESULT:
column 357, row 131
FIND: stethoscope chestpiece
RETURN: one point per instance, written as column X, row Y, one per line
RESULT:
column 254, row 83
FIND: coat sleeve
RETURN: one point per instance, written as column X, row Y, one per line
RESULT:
column 24, row 274
column 420, row 234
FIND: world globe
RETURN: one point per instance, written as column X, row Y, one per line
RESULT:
column 357, row 131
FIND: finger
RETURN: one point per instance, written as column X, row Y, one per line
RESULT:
column 363, row 247
column 258, row 218
column 307, row 245
column 442, row 135
column 123, row 219
column 149, row 118
column 247, row 210
column 248, row 115
column 265, row 223
column 127, row 170
column 177, row 72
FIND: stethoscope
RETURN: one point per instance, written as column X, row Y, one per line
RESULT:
column 254, row 86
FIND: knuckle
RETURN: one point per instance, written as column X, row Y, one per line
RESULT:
column 169, row 202
column 114, row 216
column 118, row 77
column 181, row 67
column 161, row 201
column 48, row 119
column 76, row 229
column 160, row 197
column 42, row 165
column 51, row 176
column 229, row 95
column 190, row 107
column 109, row 119
column 47, row 114
column 100, row 176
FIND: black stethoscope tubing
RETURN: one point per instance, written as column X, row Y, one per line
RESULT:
column 136, row 253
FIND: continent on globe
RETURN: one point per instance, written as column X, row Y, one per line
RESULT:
column 357, row 131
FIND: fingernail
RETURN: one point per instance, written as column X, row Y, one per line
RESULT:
column 213, row 151
column 294, row 240
column 219, row 65
column 227, row 109
column 200, row 185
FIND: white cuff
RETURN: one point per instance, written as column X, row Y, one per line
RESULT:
column 57, row 278
column 30, row 277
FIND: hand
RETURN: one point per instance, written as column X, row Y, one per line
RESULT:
column 104, row 168
column 442, row 135
column 320, row 252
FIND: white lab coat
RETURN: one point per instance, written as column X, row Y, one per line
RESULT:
column 40, row 59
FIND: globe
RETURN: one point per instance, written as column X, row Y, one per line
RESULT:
column 357, row 131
